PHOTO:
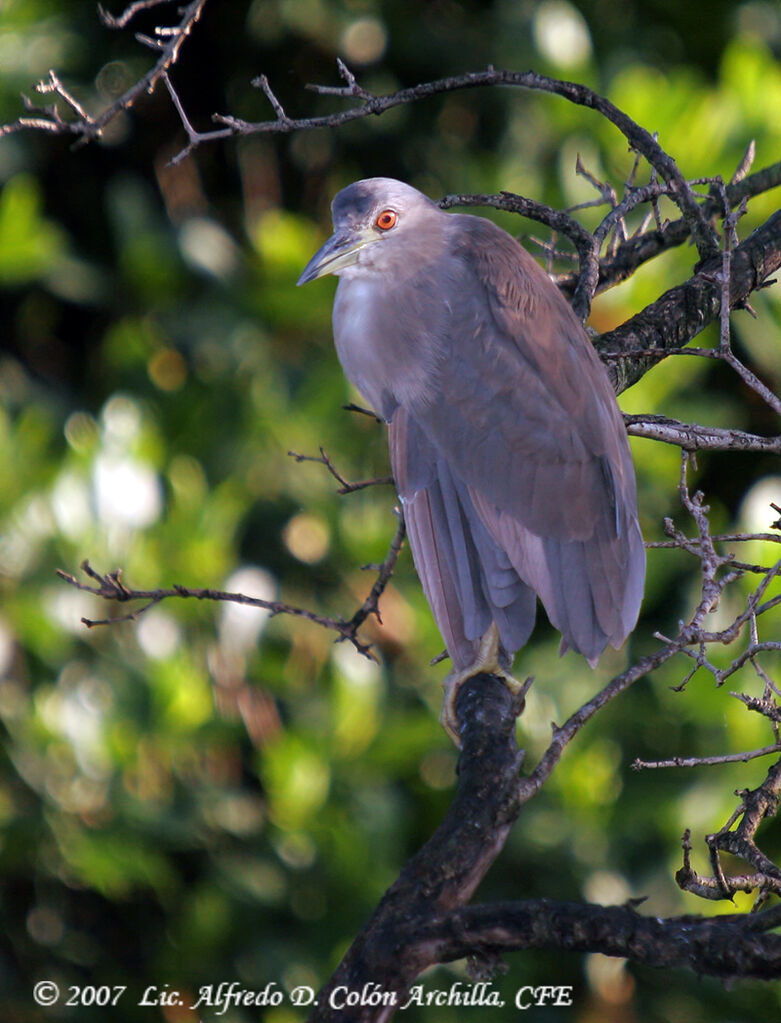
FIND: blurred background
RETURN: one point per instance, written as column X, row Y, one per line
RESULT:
column 206, row 795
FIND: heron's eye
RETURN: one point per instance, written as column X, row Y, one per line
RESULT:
column 386, row 220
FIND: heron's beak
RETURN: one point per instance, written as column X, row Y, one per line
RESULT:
column 341, row 250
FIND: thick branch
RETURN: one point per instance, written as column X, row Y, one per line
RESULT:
column 694, row 437
column 448, row 868
column 423, row 918
column 682, row 312
column 719, row 947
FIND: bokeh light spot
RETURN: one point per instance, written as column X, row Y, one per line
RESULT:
column 561, row 34
column 307, row 537
column 241, row 624
column 167, row 369
column 364, row 41
column 127, row 492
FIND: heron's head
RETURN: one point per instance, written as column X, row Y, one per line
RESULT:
column 380, row 225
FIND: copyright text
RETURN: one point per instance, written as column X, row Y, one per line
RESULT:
column 227, row 995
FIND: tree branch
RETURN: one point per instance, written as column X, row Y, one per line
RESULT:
column 346, row 487
column 682, row 312
column 111, row 587
column 755, row 806
column 632, row 253
column 720, row 947
column 168, row 40
column 423, row 918
column 696, row 218
column 585, row 243
column 693, row 437
column 722, row 758
column 447, row 869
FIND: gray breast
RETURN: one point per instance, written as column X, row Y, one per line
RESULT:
column 389, row 340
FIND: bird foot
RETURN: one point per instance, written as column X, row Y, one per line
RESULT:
column 486, row 662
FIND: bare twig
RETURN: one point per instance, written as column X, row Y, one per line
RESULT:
column 691, row 635
column 640, row 140
column 111, row 587
column 110, row 21
column 767, row 708
column 346, row 487
column 723, row 758
column 85, row 127
column 361, row 411
column 738, row 835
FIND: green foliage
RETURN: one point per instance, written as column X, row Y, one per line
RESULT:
column 29, row 244
column 206, row 795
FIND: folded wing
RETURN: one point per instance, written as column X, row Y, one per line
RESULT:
column 515, row 469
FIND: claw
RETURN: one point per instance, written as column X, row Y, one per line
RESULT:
column 486, row 662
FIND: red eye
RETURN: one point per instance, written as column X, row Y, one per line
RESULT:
column 386, row 220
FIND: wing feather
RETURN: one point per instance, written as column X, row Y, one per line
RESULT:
column 468, row 579
column 539, row 441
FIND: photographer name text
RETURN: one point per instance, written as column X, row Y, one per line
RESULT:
column 227, row 995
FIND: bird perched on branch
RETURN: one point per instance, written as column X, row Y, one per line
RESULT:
column 508, row 450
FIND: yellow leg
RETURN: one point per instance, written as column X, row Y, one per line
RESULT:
column 487, row 661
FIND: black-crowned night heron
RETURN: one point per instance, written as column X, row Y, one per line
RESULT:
column 508, row 450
